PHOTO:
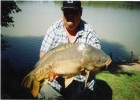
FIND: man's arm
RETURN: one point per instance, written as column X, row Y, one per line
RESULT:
column 94, row 41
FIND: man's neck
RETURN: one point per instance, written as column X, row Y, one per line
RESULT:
column 72, row 32
column 71, row 35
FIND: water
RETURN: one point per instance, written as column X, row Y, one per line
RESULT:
column 118, row 29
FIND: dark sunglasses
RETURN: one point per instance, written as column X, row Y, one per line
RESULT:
column 71, row 11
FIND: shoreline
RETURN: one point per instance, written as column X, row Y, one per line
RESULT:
column 122, row 67
column 131, row 66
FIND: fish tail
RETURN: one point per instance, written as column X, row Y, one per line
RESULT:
column 36, row 86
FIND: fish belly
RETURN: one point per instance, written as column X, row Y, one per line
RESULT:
column 68, row 61
column 66, row 67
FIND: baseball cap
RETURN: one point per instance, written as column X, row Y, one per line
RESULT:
column 70, row 4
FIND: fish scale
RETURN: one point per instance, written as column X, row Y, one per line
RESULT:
column 64, row 60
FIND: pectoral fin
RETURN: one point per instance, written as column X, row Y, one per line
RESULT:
column 87, row 75
column 68, row 80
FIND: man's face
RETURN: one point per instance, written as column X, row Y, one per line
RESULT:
column 71, row 18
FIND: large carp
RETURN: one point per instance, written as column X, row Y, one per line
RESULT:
column 66, row 59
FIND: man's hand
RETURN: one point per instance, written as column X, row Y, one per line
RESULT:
column 52, row 77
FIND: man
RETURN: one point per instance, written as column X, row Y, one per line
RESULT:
column 71, row 29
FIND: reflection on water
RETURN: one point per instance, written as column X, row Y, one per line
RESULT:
column 115, row 50
column 112, row 4
column 23, row 51
column 117, row 27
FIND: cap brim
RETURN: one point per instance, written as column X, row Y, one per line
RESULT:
column 75, row 8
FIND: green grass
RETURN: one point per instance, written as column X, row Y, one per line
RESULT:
column 125, row 86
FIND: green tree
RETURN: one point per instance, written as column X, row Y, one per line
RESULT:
column 7, row 8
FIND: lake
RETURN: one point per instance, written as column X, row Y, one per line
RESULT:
column 117, row 25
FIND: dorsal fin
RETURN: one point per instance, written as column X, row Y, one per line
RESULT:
column 58, row 48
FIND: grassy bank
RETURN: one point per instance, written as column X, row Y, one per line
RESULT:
column 125, row 86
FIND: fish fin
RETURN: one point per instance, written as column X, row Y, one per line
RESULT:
column 68, row 80
column 36, row 86
column 86, row 77
column 27, row 81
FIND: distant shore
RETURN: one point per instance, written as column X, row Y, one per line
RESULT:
column 131, row 66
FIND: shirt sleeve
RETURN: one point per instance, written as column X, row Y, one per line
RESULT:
column 48, row 40
column 93, row 40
